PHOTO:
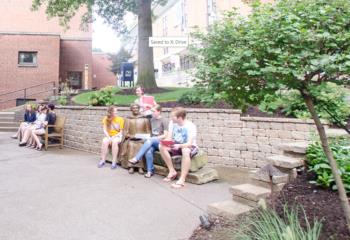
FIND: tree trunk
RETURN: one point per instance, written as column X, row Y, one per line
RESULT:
column 324, row 141
column 145, row 65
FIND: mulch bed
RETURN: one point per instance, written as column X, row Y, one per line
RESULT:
column 318, row 203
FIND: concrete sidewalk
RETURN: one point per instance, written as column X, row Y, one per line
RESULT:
column 61, row 194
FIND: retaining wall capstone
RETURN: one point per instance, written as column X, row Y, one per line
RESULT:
column 225, row 135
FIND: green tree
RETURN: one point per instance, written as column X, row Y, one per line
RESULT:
column 118, row 59
column 113, row 12
column 290, row 44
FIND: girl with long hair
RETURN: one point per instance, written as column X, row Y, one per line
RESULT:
column 113, row 126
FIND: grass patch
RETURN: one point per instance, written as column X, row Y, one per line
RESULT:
column 172, row 95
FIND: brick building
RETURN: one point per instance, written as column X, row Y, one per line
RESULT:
column 37, row 54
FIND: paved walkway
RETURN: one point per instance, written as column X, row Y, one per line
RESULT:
column 61, row 194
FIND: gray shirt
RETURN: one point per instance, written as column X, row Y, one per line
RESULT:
column 158, row 126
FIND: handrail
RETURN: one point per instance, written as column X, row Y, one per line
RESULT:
column 28, row 88
column 24, row 90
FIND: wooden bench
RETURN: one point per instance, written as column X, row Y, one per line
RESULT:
column 57, row 133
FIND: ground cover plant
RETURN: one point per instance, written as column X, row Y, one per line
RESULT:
column 318, row 164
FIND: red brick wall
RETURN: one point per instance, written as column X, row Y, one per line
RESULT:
column 102, row 76
column 14, row 77
column 74, row 55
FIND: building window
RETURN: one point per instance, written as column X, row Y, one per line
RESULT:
column 75, row 79
column 27, row 58
column 165, row 50
column 168, row 67
column 165, row 26
column 186, row 62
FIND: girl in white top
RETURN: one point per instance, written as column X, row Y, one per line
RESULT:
column 146, row 103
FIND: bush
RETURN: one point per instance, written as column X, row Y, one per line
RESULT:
column 318, row 163
column 267, row 225
column 103, row 97
column 62, row 100
column 199, row 95
column 329, row 99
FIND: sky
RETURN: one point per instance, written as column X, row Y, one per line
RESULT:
column 104, row 37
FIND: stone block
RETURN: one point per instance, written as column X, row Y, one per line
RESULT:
column 202, row 176
column 285, row 162
column 252, row 125
column 289, row 126
column 228, row 209
column 197, row 162
column 264, row 125
column 247, row 132
column 249, row 191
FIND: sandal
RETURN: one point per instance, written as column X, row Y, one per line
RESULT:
column 101, row 164
column 170, row 178
column 178, row 185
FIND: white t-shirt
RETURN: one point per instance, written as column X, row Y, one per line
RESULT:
column 180, row 134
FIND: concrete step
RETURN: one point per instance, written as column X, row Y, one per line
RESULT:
column 276, row 179
column 283, row 161
column 8, row 129
column 228, row 209
column 9, row 124
column 295, row 147
column 7, row 119
column 249, row 192
column 336, row 132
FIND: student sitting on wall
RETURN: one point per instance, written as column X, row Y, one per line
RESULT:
column 159, row 130
column 113, row 126
column 29, row 118
column 183, row 142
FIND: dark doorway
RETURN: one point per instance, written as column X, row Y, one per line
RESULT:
column 75, row 79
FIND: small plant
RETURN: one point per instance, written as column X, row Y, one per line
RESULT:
column 318, row 163
column 62, row 100
column 329, row 101
column 267, row 225
column 104, row 97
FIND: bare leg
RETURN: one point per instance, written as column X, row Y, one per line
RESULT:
column 104, row 148
column 185, row 165
column 36, row 138
column 164, row 152
column 27, row 133
column 115, row 149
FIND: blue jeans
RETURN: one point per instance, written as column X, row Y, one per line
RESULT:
column 148, row 149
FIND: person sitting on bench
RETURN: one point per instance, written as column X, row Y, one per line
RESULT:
column 183, row 137
column 159, row 130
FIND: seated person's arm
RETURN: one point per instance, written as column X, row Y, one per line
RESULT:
column 164, row 135
column 105, row 131
column 188, row 144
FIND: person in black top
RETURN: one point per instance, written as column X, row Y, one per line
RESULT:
column 50, row 120
column 29, row 118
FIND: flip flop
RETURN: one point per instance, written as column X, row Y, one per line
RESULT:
column 178, row 185
column 171, row 178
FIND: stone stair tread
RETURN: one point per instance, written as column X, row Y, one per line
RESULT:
column 228, row 208
column 283, row 178
column 8, row 129
column 250, row 191
column 296, row 147
column 336, row 132
column 285, row 161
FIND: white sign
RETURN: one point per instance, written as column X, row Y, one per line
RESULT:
column 168, row 41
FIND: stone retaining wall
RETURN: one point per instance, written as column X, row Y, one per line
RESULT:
column 228, row 138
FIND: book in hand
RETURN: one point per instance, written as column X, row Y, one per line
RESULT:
column 144, row 136
column 167, row 143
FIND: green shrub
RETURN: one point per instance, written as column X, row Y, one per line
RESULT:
column 200, row 95
column 103, row 97
column 267, row 225
column 329, row 101
column 318, row 163
column 62, row 100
